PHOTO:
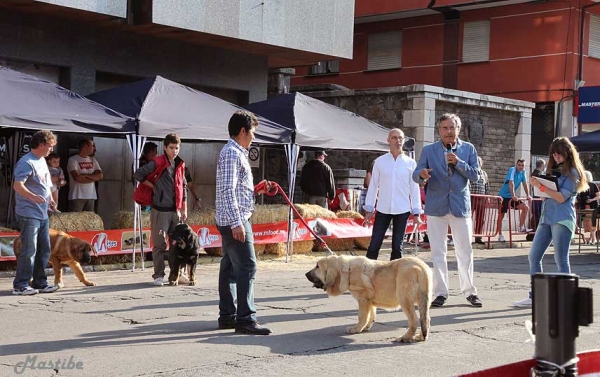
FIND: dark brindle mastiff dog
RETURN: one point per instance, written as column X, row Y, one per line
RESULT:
column 68, row 250
column 183, row 252
column 404, row 282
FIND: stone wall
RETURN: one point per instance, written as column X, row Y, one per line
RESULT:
column 498, row 127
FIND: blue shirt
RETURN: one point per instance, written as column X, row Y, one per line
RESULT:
column 33, row 171
column 235, row 189
column 563, row 213
column 448, row 188
column 516, row 177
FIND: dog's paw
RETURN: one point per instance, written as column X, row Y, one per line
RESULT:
column 89, row 283
column 420, row 338
column 61, row 284
column 368, row 327
column 192, row 282
column 353, row 330
column 404, row 339
column 173, row 282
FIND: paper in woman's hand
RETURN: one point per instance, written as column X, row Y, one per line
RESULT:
column 547, row 181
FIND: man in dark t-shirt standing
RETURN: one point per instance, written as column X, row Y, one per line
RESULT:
column 317, row 181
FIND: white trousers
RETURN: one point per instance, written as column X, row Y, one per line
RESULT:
column 462, row 230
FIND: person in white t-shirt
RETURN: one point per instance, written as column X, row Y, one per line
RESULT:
column 396, row 193
column 84, row 171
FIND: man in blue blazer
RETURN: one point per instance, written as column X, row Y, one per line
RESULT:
column 447, row 166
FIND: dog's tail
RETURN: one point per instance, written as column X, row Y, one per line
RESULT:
column 425, row 296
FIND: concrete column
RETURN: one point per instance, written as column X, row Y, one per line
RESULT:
column 279, row 81
column 79, row 79
column 422, row 119
column 523, row 137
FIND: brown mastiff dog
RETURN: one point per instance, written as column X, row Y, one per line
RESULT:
column 404, row 282
column 68, row 250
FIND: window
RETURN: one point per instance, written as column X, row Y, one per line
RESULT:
column 325, row 67
column 385, row 51
column 594, row 49
column 476, row 41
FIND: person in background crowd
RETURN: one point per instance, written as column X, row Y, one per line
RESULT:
column 396, row 194
column 234, row 207
column 169, row 204
column 192, row 188
column 558, row 219
column 32, row 185
column 84, row 171
column 149, row 153
column 536, row 205
column 447, row 166
column 57, row 175
column 479, row 187
column 317, row 181
column 515, row 176
column 589, row 200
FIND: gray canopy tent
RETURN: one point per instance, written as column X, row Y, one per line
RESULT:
column 161, row 106
column 317, row 124
column 30, row 103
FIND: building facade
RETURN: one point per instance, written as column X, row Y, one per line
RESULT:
column 223, row 47
column 536, row 51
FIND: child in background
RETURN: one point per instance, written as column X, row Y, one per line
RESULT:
column 56, row 172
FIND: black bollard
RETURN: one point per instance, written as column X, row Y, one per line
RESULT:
column 559, row 308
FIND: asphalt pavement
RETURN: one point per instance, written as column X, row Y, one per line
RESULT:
column 127, row 327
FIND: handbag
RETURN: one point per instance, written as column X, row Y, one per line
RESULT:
column 143, row 194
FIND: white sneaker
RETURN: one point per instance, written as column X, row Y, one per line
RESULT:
column 183, row 278
column 158, row 282
column 501, row 238
column 526, row 303
column 26, row 291
column 523, row 229
column 49, row 289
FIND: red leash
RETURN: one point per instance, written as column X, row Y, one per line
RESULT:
column 271, row 188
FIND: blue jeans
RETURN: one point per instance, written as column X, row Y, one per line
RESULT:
column 35, row 253
column 380, row 226
column 561, row 236
column 236, row 277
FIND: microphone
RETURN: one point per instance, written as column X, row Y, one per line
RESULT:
column 449, row 150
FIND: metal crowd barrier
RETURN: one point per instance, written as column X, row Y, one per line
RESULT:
column 531, row 220
column 485, row 212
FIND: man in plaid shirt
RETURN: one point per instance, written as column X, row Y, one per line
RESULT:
column 234, row 206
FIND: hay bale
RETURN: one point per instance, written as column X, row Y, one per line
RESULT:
column 7, row 230
column 313, row 211
column 259, row 249
column 362, row 243
column 206, row 216
column 336, row 244
column 124, row 220
column 349, row 215
column 270, row 213
column 218, row 251
column 76, row 221
column 214, row 251
column 300, row 247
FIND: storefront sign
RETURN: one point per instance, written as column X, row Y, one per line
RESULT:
column 589, row 105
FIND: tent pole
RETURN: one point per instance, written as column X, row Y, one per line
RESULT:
column 292, row 151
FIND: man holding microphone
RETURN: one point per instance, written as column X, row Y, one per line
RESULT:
column 447, row 166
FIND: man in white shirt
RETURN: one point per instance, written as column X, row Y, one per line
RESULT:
column 396, row 194
column 84, row 171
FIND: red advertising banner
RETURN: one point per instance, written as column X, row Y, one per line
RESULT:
column 122, row 241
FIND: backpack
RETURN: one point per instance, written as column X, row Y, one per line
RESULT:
column 143, row 193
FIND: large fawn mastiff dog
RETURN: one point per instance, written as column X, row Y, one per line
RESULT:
column 404, row 282
column 65, row 249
